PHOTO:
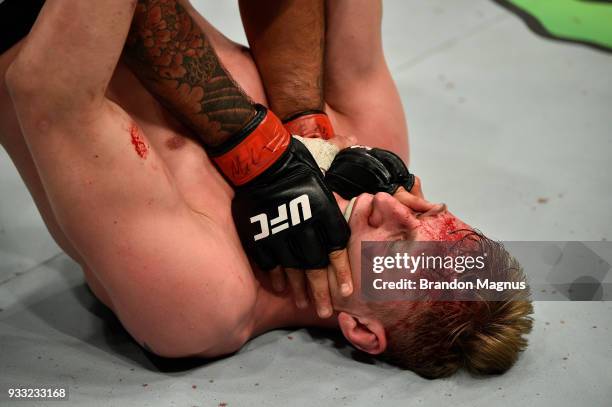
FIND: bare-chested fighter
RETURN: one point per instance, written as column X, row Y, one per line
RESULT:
column 146, row 214
column 290, row 59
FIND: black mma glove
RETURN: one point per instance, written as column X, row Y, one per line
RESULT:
column 360, row 169
column 284, row 212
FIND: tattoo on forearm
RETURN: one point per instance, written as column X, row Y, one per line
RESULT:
column 171, row 55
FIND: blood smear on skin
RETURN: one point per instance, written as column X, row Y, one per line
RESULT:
column 448, row 228
column 139, row 144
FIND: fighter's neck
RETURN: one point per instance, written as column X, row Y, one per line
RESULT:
column 275, row 311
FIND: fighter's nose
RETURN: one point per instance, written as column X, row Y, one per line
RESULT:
column 382, row 204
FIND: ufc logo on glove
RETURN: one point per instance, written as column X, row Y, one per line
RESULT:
column 281, row 222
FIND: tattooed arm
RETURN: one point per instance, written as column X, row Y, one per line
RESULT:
column 287, row 42
column 175, row 60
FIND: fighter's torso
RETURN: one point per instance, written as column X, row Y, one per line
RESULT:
column 195, row 178
column 202, row 187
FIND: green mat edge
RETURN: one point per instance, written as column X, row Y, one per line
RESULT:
column 535, row 25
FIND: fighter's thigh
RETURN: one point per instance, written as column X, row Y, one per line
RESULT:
column 353, row 33
column 354, row 57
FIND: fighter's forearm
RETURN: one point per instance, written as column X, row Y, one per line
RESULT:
column 173, row 57
column 287, row 42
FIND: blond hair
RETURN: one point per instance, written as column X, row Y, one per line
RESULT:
column 437, row 338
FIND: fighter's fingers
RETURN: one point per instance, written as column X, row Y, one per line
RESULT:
column 277, row 277
column 414, row 202
column 342, row 269
column 417, row 188
column 297, row 281
column 319, row 286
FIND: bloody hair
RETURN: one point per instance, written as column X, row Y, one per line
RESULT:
column 437, row 338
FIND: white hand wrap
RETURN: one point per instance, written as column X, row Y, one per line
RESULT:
column 323, row 151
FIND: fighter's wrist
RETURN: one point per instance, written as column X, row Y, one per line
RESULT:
column 310, row 124
column 251, row 151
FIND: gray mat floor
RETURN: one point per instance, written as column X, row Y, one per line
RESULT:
column 513, row 131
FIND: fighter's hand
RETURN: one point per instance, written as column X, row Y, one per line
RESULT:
column 360, row 169
column 417, row 188
column 414, row 198
column 284, row 213
column 314, row 284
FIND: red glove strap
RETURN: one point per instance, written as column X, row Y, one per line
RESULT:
column 314, row 125
column 256, row 153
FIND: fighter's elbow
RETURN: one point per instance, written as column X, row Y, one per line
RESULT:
column 37, row 92
column 15, row 79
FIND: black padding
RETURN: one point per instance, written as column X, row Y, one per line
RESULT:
column 357, row 170
column 306, row 241
column 16, row 20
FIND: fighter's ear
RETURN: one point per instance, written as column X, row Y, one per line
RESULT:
column 365, row 333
